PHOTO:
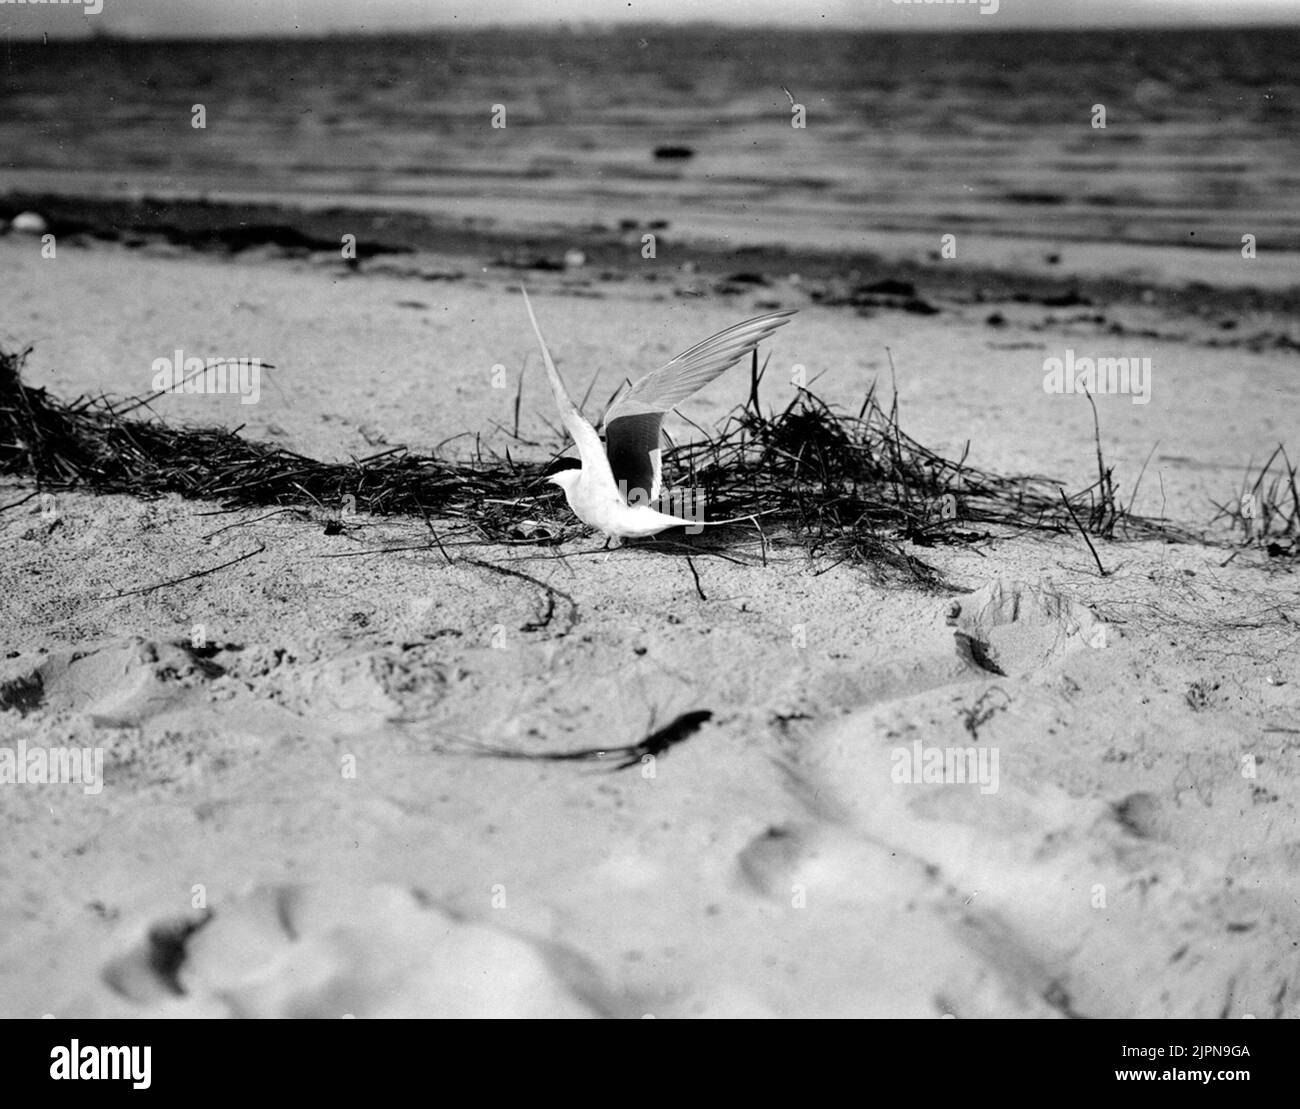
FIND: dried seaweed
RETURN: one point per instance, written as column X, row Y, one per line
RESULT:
column 843, row 487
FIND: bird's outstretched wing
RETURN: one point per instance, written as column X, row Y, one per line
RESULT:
column 688, row 373
column 634, row 423
column 589, row 445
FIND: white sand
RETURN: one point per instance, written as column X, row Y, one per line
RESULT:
column 1126, row 865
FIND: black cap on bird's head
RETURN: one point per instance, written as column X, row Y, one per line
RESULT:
column 558, row 467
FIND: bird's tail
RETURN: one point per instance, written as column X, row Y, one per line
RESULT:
column 735, row 519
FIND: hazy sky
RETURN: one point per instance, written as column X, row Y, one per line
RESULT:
column 217, row 17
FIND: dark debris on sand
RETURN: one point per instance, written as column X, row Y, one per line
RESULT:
column 843, row 487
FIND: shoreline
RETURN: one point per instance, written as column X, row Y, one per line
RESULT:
column 388, row 231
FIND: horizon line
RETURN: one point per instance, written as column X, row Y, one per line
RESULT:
column 587, row 27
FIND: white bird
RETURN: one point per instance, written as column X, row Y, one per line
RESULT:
column 614, row 484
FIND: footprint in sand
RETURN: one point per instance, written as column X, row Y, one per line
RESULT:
column 1005, row 628
column 118, row 683
column 124, row 683
column 335, row 951
column 1031, row 900
column 1011, row 627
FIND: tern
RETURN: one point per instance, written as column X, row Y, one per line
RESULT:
column 613, row 484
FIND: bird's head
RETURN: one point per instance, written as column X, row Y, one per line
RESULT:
column 564, row 472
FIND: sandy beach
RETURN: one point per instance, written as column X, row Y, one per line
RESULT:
column 293, row 804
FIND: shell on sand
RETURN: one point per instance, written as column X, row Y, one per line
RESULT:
column 29, row 223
